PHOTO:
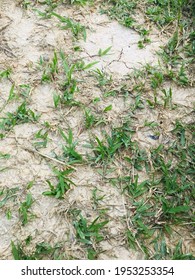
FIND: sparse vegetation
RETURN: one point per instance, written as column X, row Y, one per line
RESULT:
column 100, row 142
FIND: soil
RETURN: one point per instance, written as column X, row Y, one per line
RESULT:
column 24, row 37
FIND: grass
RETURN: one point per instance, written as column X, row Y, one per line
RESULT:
column 21, row 116
column 91, row 119
column 104, row 152
column 51, row 70
column 70, row 155
column 24, row 209
column 80, row 2
column 124, row 12
column 63, row 184
column 102, row 77
column 67, row 23
column 42, row 137
column 6, row 195
column 5, row 73
column 154, row 182
column 42, row 251
column 89, row 234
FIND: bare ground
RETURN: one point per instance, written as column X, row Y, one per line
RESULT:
column 24, row 37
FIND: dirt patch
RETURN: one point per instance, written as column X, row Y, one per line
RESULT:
column 25, row 37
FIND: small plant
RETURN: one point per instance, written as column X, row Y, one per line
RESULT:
column 122, row 11
column 102, row 77
column 51, row 69
column 7, row 194
column 25, row 90
column 75, row 27
column 69, row 86
column 42, row 251
column 4, row 156
column 69, row 150
column 5, row 73
column 104, row 52
column 22, row 115
column 43, row 137
column 138, row 104
column 135, row 188
column 120, row 138
column 63, row 185
column 96, row 198
column 92, row 120
column 182, row 78
column 24, row 209
column 80, row 2
column 167, row 98
column 89, row 234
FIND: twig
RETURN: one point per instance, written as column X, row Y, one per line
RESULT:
column 48, row 157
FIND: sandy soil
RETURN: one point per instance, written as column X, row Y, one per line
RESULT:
column 24, row 37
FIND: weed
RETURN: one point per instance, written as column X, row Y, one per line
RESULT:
column 89, row 234
column 43, row 136
column 107, row 108
column 91, row 119
column 96, row 198
column 180, row 131
column 22, row 115
column 42, row 251
column 69, row 152
column 81, row 65
column 75, row 27
column 141, row 43
column 25, row 90
column 131, row 240
column 24, row 209
column 69, row 86
column 138, row 104
column 122, row 11
column 120, row 138
column 6, row 73
column 25, row 4
column 142, row 215
column 102, row 77
column 80, row 2
column 63, row 185
column 104, row 52
column 178, row 254
column 4, row 156
column 8, row 194
column 136, row 189
column 12, row 93
column 9, row 214
column 138, row 158
column 51, row 69
column 182, row 78
column 162, row 252
column 167, row 98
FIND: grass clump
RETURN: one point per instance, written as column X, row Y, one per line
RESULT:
column 21, row 116
column 89, row 234
column 63, row 184
column 24, row 209
column 42, row 251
